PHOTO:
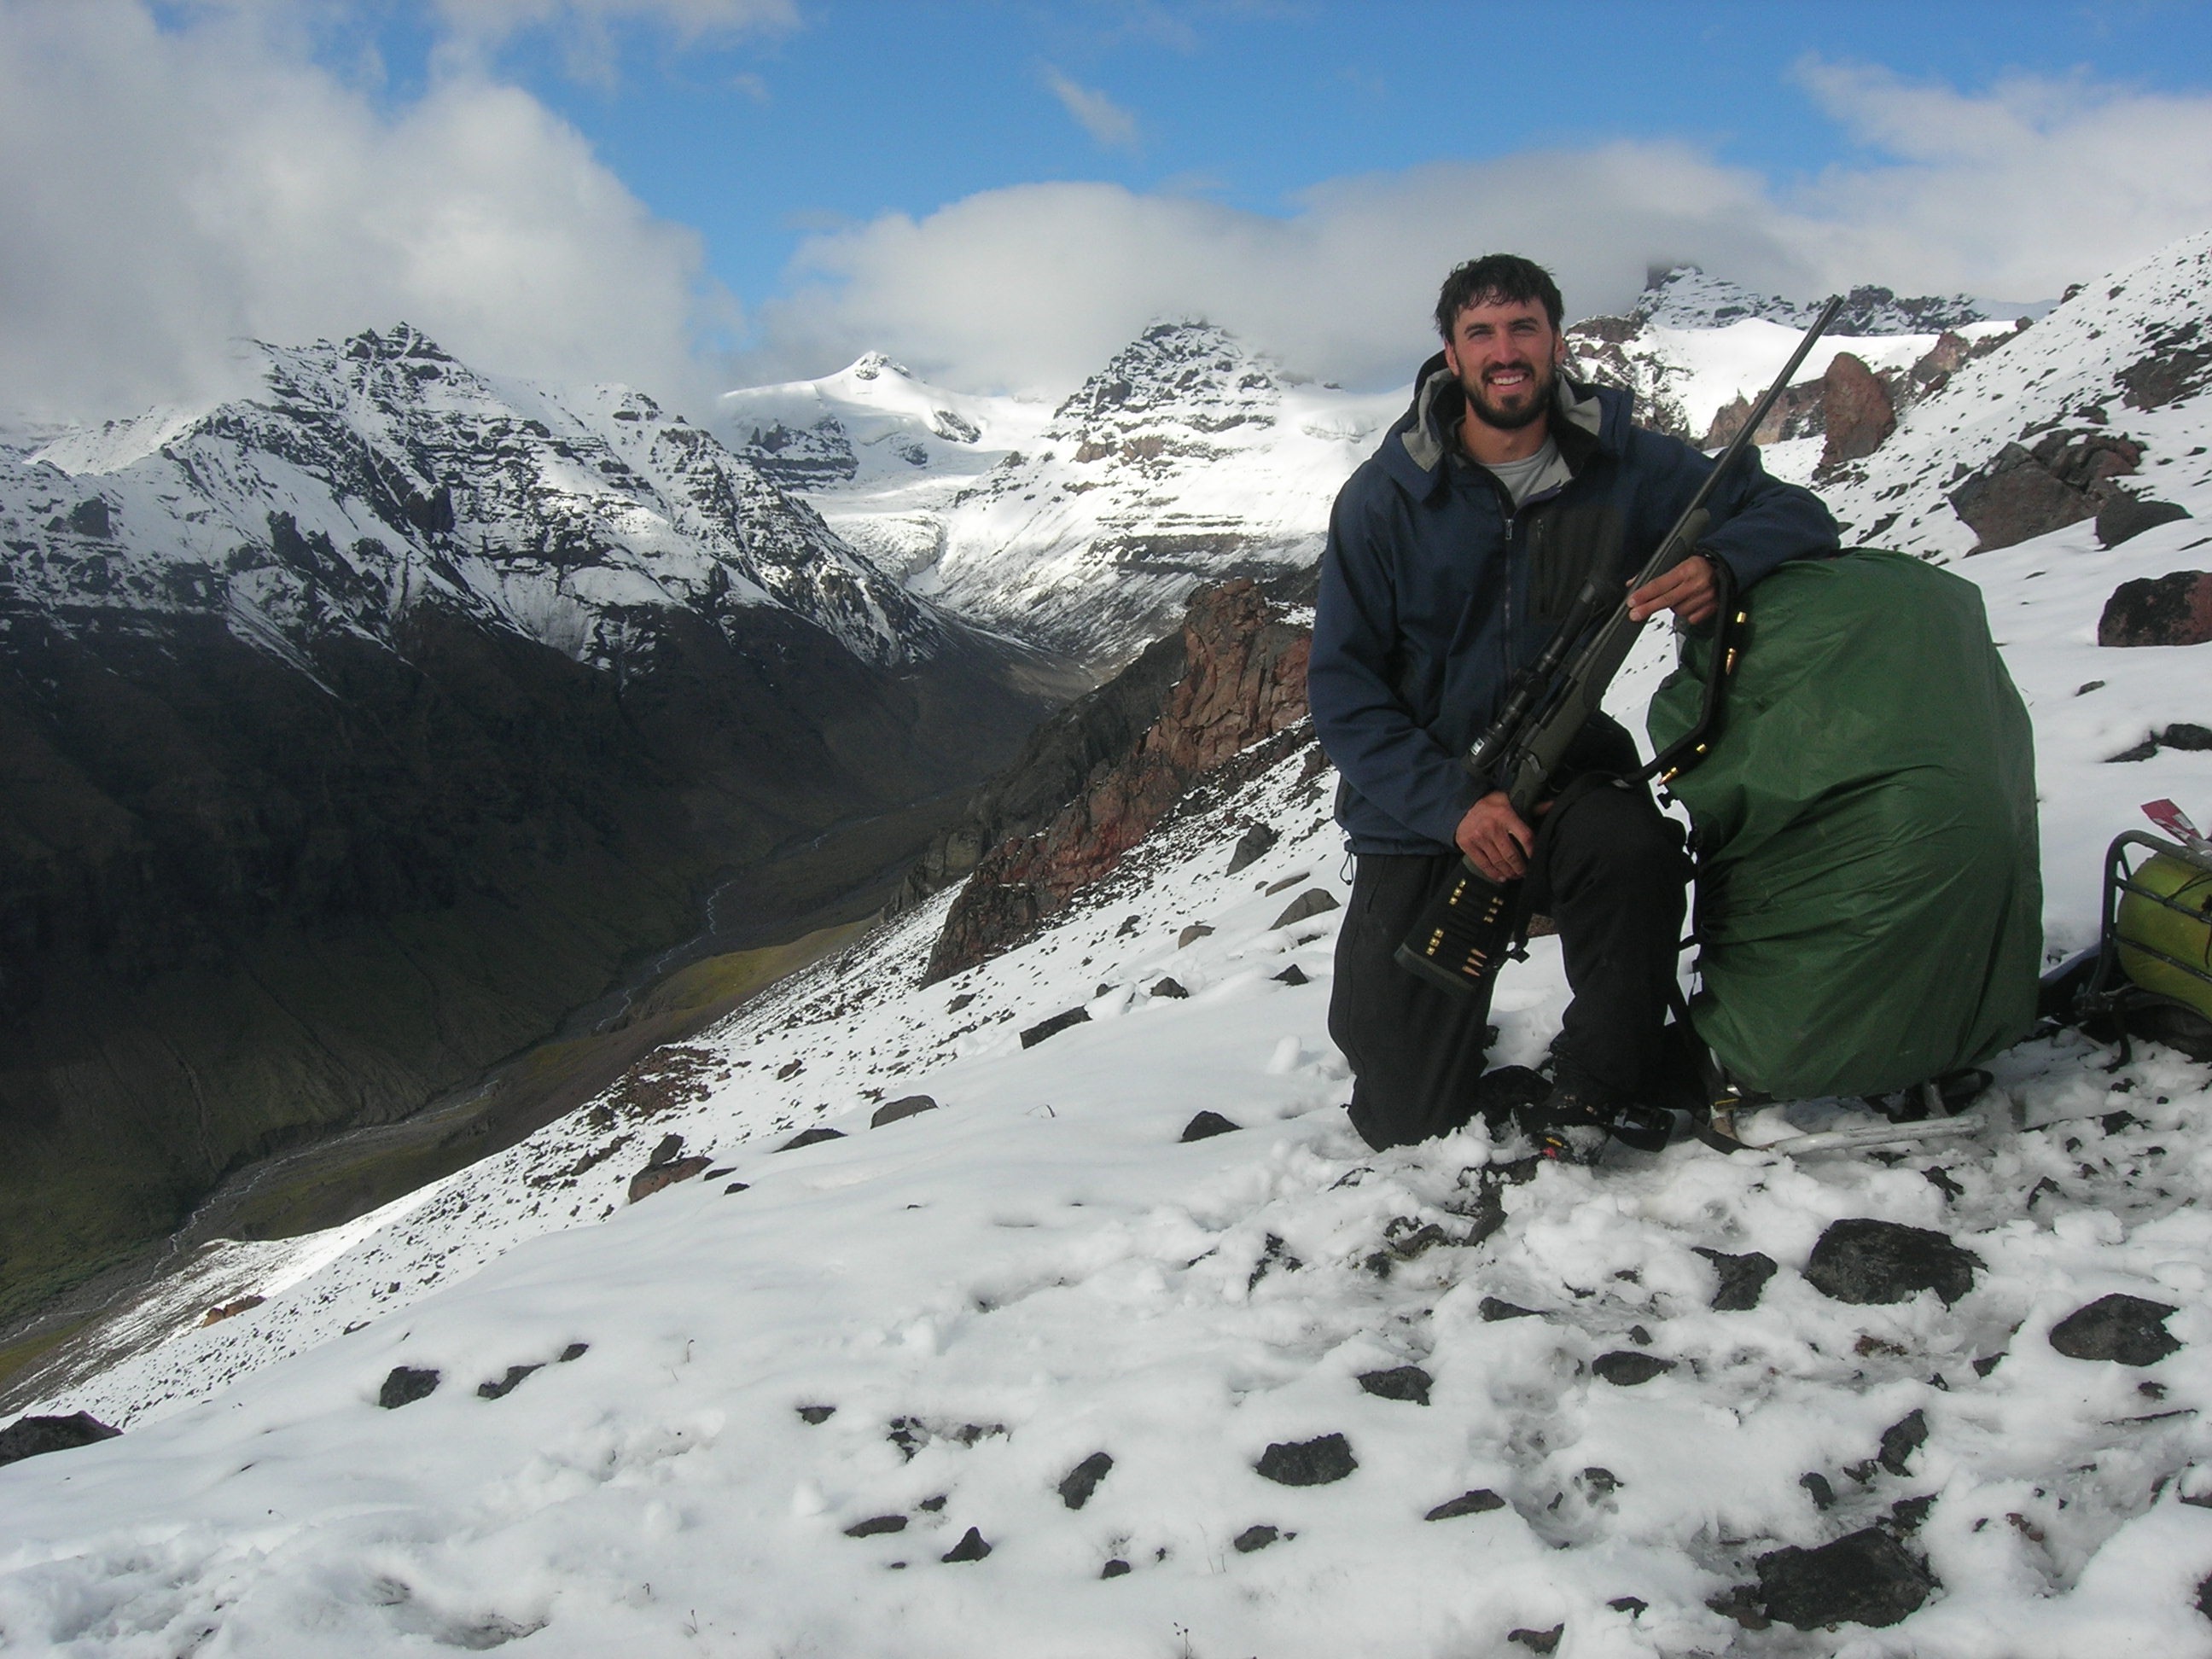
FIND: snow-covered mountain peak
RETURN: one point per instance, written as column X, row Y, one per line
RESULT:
column 1684, row 296
column 873, row 364
column 365, row 476
column 873, row 423
column 1192, row 373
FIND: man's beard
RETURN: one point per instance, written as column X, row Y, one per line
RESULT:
column 1511, row 420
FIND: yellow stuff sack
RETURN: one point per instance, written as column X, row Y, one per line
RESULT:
column 2154, row 937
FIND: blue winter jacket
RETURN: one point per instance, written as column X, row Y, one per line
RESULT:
column 1435, row 591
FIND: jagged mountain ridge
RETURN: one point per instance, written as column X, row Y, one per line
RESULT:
column 379, row 473
column 1684, row 296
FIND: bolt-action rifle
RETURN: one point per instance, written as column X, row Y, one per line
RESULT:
column 1469, row 927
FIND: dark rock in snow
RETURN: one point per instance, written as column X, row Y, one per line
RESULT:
column 1253, row 1537
column 816, row 1415
column 934, row 1505
column 1481, row 1501
column 1082, row 1479
column 1408, row 1383
column 1115, row 1568
column 813, row 1137
column 906, row 1106
column 1823, row 1494
column 1867, row 1261
column 1492, row 1310
column 1314, row 1462
column 1538, row 1641
column 654, row 1177
column 1206, row 1125
column 2130, row 1329
column 2124, row 516
column 875, row 1524
column 2175, row 609
column 1253, row 843
column 2023, row 493
column 1316, row 901
column 405, row 1384
column 1631, row 1605
column 501, row 1387
column 670, row 1147
column 574, row 1351
column 1856, row 409
column 1865, row 1578
column 1901, row 1439
column 971, row 1548
column 1743, row 1278
column 1169, row 988
column 34, row 1436
column 1192, row 934
column 1909, row 1514
column 1053, row 1027
column 1292, row 975
column 1624, row 1368
column 1286, row 884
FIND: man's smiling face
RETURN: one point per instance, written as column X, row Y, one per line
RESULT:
column 1506, row 354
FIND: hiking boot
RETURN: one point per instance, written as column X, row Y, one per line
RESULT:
column 1569, row 1124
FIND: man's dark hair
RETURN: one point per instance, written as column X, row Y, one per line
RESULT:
column 1495, row 278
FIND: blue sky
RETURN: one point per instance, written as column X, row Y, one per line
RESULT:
column 691, row 194
column 755, row 136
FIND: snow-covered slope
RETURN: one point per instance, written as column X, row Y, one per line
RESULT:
column 368, row 476
column 800, row 1380
column 2125, row 357
column 1692, row 344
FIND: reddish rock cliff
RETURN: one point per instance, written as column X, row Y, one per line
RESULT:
column 1245, row 680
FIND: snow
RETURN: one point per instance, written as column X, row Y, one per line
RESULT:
column 568, row 509
column 1040, row 1270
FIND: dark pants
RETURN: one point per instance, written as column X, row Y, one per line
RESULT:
column 1609, row 868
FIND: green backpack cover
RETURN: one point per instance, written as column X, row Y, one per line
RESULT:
column 1869, row 891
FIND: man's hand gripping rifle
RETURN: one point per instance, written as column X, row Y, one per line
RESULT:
column 1468, row 928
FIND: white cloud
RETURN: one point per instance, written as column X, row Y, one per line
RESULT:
column 2015, row 192
column 167, row 193
column 1106, row 121
column 2010, row 194
column 1033, row 286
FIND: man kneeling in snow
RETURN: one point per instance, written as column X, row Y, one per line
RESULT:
column 1453, row 552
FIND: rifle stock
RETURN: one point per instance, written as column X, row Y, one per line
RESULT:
column 1469, row 929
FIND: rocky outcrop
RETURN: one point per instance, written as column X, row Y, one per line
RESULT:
column 2175, row 609
column 2177, row 365
column 2026, row 492
column 1245, row 680
column 1056, row 764
column 1855, row 409
column 1799, row 412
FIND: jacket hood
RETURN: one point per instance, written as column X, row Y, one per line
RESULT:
column 1413, row 453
